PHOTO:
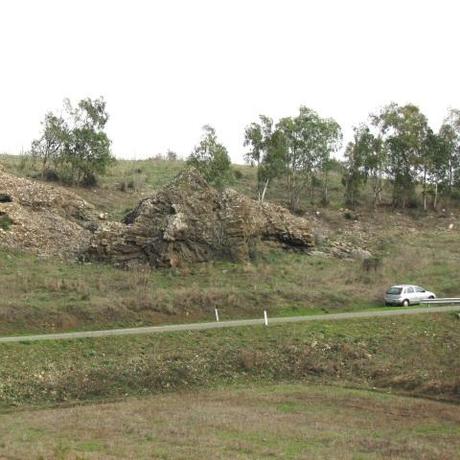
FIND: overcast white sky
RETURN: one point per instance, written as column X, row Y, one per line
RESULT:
column 166, row 68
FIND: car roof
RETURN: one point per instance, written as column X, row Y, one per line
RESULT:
column 404, row 285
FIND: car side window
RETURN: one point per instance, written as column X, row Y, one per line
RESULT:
column 410, row 290
column 419, row 289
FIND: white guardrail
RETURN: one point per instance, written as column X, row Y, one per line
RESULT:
column 445, row 300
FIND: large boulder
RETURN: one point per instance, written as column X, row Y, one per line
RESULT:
column 190, row 221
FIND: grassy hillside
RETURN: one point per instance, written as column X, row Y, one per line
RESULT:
column 52, row 294
column 127, row 181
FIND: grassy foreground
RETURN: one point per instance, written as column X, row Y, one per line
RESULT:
column 276, row 421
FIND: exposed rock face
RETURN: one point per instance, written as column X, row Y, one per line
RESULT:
column 189, row 221
column 42, row 218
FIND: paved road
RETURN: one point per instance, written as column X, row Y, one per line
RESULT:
column 223, row 324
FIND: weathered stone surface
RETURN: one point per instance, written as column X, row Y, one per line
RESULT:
column 44, row 219
column 190, row 221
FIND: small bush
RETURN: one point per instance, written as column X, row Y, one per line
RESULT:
column 90, row 180
column 133, row 183
column 237, row 174
column 319, row 238
column 51, row 175
column 5, row 221
column 171, row 156
column 372, row 264
column 26, row 164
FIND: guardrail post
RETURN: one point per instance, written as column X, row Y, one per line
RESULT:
column 265, row 318
column 217, row 314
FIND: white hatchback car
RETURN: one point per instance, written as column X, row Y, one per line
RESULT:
column 407, row 294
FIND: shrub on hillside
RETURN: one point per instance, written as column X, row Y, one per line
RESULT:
column 5, row 221
column 211, row 159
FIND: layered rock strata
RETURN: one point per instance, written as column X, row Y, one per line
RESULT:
column 190, row 221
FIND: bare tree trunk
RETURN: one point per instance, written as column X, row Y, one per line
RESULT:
column 312, row 189
column 262, row 197
column 376, row 188
column 424, row 189
column 292, row 191
column 380, row 188
column 288, row 185
column 435, row 203
column 325, row 191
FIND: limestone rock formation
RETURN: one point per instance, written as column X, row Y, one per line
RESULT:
column 190, row 221
column 42, row 218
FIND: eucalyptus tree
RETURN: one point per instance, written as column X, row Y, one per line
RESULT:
column 308, row 141
column 87, row 148
column 435, row 166
column 273, row 165
column 48, row 147
column 357, row 153
column 75, row 143
column 450, row 133
column 365, row 161
column 211, row 158
column 404, row 130
column 262, row 143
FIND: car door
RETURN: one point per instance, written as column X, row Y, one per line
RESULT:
column 420, row 293
column 410, row 294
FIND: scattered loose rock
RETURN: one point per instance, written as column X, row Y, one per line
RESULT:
column 44, row 219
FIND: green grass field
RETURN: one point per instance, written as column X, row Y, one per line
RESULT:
column 264, row 421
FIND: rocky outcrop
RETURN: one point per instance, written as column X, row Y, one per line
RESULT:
column 42, row 218
column 190, row 221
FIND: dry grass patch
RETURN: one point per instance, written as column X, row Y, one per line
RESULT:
column 284, row 421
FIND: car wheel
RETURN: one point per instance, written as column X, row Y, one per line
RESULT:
column 431, row 297
column 405, row 303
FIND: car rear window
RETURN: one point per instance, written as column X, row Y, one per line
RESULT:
column 394, row 290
